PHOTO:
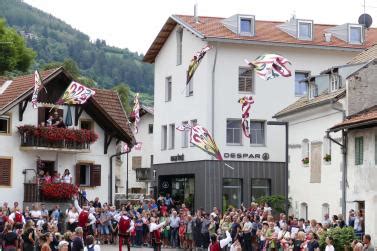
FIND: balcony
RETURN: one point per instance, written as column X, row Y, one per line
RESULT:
column 143, row 174
column 56, row 139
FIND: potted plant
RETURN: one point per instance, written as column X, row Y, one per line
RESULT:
column 58, row 191
column 305, row 160
column 327, row 158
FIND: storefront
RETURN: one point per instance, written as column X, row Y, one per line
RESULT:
column 206, row 184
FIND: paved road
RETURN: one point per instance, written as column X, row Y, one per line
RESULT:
column 115, row 248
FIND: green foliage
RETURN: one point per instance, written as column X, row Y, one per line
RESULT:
column 124, row 93
column 14, row 55
column 276, row 202
column 55, row 41
column 342, row 237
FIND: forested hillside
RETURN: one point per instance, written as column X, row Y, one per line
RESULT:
column 55, row 41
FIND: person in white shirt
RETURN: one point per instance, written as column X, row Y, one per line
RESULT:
column 123, row 217
column 35, row 213
column 155, row 231
column 329, row 242
column 67, row 177
column 88, row 226
column 72, row 217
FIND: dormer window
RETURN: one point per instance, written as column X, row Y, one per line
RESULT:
column 313, row 91
column 355, row 34
column 334, row 82
column 246, row 25
column 305, row 29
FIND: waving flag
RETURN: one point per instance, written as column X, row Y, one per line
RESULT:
column 200, row 137
column 195, row 61
column 76, row 93
column 37, row 86
column 246, row 104
column 135, row 114
column 270, row 66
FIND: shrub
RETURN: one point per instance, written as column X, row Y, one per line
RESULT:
column 277, row 202
column 342, row 237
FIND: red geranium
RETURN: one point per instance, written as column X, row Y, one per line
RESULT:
column 59, row 191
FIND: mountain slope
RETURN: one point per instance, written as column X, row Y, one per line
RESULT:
column 54, row 40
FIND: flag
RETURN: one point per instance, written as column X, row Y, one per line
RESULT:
column 270, row 66
column 201, row 138
column 136, row 112
column 195, row 61
column 76, row 93
column 37, row 86
column 246, row 104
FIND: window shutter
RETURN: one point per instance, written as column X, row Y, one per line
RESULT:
column 95, row 175
column 5, row 172
column 77, row 174
column 136, row 162
column 41, row 115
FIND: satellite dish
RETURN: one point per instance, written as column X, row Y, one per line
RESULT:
column 366, row 20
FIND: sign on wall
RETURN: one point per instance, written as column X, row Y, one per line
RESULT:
column 264, row 156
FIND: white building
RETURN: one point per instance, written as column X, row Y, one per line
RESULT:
column 23, row 155
column 211, row 100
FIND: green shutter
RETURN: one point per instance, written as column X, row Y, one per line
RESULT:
column 359, row 150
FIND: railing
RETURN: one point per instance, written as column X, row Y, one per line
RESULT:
column 52, row 137
column 143, row 174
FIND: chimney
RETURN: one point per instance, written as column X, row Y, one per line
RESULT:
column 327, row 36
column 196, row 18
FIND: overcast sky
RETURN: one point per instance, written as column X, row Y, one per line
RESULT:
column 134, row 24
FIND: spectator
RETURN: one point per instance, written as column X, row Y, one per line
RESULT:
column 367, row 243
column 67, row 177
column 77, row 243
column 10, row 239
column 174, row 225
column 89, row 244
column 329, row 244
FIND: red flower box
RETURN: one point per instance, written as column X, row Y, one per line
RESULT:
column 58, row 191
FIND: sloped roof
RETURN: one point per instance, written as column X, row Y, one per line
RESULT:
column 105, row 100
column 365, row 56
column 212, row 28
column 367, row 116
column 304, row 102
column 148, row 109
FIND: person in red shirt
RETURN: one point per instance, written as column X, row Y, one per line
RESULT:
column 163, row 208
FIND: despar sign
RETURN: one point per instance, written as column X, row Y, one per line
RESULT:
column 264, row 156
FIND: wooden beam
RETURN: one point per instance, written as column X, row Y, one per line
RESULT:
column 78, row 112
column 107, row 142
column 21, row 109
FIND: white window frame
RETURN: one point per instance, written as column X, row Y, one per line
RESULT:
column 7, row 118
column 299, row 36
column 334, row 82
column 164, row 137
column 168, row 88
column 193, row 123
column 360, row 27
column 179, row 45
column 244, row 80
column 313, row 91
column 264, row 132
column 185, row 136
column 171, row 136
column 252, row 25
column 233, row 131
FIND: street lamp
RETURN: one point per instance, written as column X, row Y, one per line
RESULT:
column 281, row 123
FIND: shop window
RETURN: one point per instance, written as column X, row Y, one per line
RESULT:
column 259, row 188
column 5, row 124
column 88, row 174
column 232, row 193
column 5, row 171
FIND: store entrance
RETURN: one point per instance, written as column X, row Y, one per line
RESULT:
column 181, row 188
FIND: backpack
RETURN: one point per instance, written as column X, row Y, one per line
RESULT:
column 124, row 225
column 83, row 218
column 18, row 217
column 215, row 246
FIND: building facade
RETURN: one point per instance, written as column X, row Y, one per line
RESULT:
column 210, row 99
column 24, row 155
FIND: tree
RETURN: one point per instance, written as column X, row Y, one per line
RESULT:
column 69, row 65
column 14, row 55
column 124, row 93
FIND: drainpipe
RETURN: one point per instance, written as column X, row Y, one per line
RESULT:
column 344, row 157
column 111, row 175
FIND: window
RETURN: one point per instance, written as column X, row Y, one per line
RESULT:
column 313, row 91
column 245, row 79
column 232, row 193
column 305, row 151
column 359, row 150
column 150, row 128
column 257, row 134
column 5, row 122
column 304, row 211
column 136, row 162
column 5, row 171
column 190, row 88
column 325, row 210
column 246, row 25
column 88, row 174
column 233, row 131
column 45, row 112
column 301, row 88
column 168, row 87
column 334, row 82
column 164, row 136
column 327, row 148
column 259, row 188
column 305, row 30
column 151, row 160
column 179, row 46
column 86, row 124
column 171, row 136
column 185, row 136
column 193, row 123
column 355, row 34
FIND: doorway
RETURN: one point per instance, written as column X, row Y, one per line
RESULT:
column 181, row 188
